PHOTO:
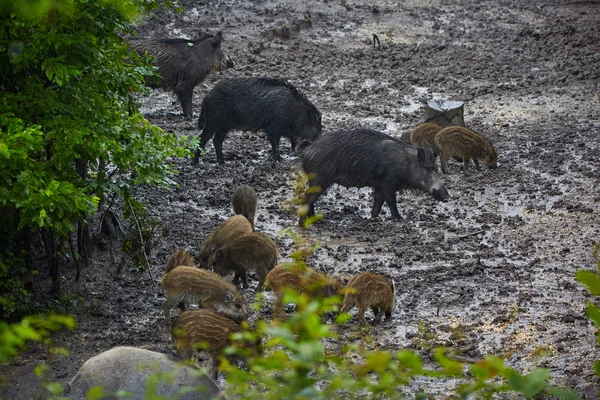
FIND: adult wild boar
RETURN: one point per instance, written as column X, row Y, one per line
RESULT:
column 126, row 370
column 257, row 103
column 363, row 157
column 184, row 63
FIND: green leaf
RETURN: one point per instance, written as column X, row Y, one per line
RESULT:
column 562, row 393
column 451, row 367
column 591, row 280
column 410, row 360
column 597, row 367
column 593, row 312
column 528, row 385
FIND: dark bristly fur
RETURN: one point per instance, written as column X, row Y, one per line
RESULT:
column 364, row 157
column 184, row 63
column 254, row 104
column 189, row 285
column 371, row 291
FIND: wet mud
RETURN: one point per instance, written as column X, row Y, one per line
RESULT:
column 489, row 272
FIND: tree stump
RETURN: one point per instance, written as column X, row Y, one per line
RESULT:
column 445, row 113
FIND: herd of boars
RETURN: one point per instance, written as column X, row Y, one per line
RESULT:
column 351, row 158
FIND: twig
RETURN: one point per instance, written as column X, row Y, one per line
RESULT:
column 105, row 212
column 376, row 42
column 471, row 234
column 142, row 242
column 74, row 259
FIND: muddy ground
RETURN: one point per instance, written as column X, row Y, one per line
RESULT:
column 489, row 272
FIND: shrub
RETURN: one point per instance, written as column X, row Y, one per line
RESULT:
column 70, row 128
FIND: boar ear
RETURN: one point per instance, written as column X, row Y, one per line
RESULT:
column 425, row 157
column 218, row 39
column 219, row 255
column 229, row 296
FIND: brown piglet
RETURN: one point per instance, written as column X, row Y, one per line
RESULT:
column 424, row 136
column 370, row 290
column 194, row 328
column 245, row 202
column 227, row 231
column 187, row 285
column 464, row 145
column 301, row 279
column 179, row 258
column 252, row 252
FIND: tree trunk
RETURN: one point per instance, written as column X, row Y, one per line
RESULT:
column 445, row 113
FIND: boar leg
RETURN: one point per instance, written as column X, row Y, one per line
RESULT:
column 293, row 140
column 261, row 282
column 167, row 305
column 185, row 98
column 241, row 274
column 312, row 194
column 378, row 201
column 361, row 315
column 274, row 139
column 477, row 166
column 216, row 361
column 218, row 142
column 347, row 304
column 466, row 161
column 207, row 134
column 376, row 313
column 278, row 308
column 388, row 314
column 236, row 279
column 390, row 199
column 444, row 161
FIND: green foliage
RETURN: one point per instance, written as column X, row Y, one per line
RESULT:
column 305, row 358
column 14, row 275
column 295, row 205
column 37, row 328
column 591, row 280
column 142, row 235
column 70, row 127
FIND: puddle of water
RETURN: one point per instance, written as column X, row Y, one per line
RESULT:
column 494, row 196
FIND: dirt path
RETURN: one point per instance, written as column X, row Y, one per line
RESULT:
column 489, row 272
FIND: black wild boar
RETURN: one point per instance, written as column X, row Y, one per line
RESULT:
column 364, row 157
column 184, row 63
column 253, row 104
